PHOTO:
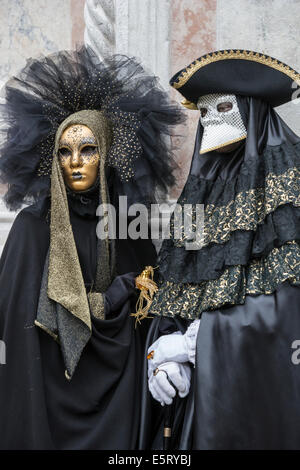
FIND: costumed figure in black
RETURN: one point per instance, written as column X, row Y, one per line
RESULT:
column 236, row 287
column 78, row 133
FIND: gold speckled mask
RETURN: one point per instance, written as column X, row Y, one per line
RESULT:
column 79, row 157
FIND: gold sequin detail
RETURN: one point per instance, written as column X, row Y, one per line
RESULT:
column 207, row 59
column 261, row 276
column 125, row 146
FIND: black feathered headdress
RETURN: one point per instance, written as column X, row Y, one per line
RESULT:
column 50, row 89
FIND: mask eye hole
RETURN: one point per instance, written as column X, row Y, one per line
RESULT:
column 88, row 150
column 224, row 107
column 203, row 112
column 64, row 152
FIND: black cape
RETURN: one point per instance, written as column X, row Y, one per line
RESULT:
column 100, row 407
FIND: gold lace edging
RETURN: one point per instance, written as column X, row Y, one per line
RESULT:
column 261, row 276
column 207, row 59
column 247, row 210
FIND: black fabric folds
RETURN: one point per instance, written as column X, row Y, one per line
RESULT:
column 246, row 385
column 100, row 407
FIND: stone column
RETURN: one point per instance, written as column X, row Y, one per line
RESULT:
column 134, row 28
column 99, row 34
column 131, row 27
column 143, row 30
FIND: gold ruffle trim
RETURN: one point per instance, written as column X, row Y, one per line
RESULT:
column 207, row 59
column 247, row 210
column 261, row 276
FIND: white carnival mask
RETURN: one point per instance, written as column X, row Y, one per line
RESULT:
column 221, row 120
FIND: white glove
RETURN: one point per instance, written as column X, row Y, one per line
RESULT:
column 160, row 387
column 175, row 347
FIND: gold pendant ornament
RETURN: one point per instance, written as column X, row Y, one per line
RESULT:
column 145, row 283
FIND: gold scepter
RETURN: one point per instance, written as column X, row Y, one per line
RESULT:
column 148, row 287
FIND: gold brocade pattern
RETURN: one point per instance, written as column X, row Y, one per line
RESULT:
column 247, row 210
column 207, row 59
column 261, row 276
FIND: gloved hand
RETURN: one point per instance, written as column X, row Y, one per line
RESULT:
column 159, row 384
column 119, row 291
column 174, row 347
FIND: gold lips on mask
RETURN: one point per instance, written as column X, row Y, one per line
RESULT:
column 79, row 157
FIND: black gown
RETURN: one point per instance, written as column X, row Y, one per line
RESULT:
column 100, row 407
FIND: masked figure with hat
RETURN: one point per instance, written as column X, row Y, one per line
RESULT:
column 237, row 287
column 79, row 133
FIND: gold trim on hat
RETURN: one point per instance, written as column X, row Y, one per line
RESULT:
column 207, row 59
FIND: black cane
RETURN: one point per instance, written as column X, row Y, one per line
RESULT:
column 168, row 425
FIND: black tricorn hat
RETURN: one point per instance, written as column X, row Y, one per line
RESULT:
column 238, row 72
